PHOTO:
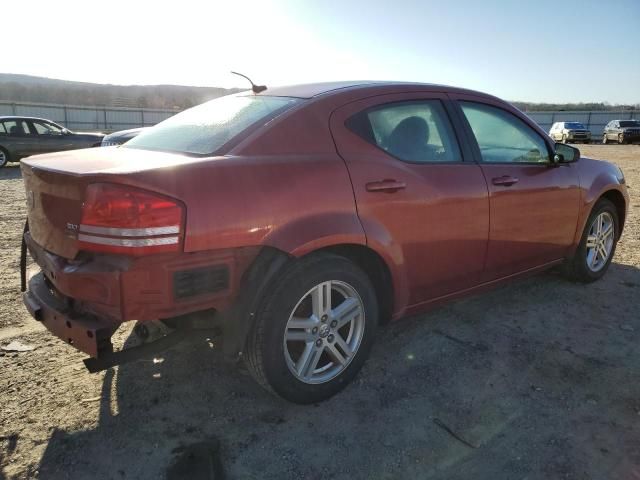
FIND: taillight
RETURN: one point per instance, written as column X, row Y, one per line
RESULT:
column 129, row 221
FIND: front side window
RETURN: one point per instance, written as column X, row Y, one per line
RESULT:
column 46, row 128
column 503, row 137
column 417, row 132
column 204, row 129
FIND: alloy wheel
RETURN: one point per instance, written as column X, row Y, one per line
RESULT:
column 3, row 158
column 600, row 241
column 324, row 331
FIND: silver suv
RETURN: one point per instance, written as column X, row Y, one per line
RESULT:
column 567, row 132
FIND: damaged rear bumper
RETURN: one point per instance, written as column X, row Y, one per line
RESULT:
column 87, row 333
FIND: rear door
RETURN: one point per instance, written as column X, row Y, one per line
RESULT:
column 419, row 195
column 534, row 204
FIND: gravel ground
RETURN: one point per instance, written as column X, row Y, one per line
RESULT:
column 537, row 379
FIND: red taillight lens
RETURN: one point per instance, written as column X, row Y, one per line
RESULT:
column 121, row 219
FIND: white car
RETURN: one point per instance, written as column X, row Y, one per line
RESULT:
column 568, row 132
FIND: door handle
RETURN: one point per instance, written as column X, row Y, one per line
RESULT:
column 386, row 186
column 505, row 180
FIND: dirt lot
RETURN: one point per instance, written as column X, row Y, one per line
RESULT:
column 540, row 377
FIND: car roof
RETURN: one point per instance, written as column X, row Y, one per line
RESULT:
column 16, row 117
column 311, row 90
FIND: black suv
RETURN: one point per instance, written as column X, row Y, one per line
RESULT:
column 621, row 131
column 24, row 136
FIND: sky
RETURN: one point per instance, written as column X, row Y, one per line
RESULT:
column 539, row 51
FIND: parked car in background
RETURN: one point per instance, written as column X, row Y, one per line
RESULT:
column 621, row 131
column 24, row 136
column 122, row 136
column 569, row 132
column 300, row 218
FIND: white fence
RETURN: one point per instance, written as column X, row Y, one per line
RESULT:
column 75, row 117
column 109, row 119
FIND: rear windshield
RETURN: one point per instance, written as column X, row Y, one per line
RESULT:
column 629, row 123
column 204, row 129
column 573, row 125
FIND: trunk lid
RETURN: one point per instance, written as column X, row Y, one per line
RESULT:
column 56, row 183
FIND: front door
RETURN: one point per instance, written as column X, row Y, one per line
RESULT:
column 420, row 196
column 534, row 203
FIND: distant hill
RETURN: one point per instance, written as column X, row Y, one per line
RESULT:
column 27, row 88
column 591, row 106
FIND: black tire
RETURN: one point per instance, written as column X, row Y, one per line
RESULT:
column 4, row 157
column 605, row 140
column 576, row 268
column 620, row 139
column 265, row 350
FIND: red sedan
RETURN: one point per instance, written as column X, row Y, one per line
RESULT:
column 300, row 218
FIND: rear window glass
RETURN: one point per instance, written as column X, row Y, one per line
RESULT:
column 204, row 129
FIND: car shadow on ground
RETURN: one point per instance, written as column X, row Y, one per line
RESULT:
column 10, row 171
column 538, row 379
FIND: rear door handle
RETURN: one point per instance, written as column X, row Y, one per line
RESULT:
column 386, row 186
column 505, row 180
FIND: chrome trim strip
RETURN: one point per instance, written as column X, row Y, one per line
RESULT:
column 127, row 242
column 130, row 232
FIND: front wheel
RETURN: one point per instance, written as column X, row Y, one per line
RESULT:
column 605, row 140
column 565, row 139
column 597, row 245
column 314, row 331
column 620, row 139
column 4, row 157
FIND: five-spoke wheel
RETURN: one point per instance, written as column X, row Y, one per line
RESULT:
column 324, row 332
column 597, row 245
column 314, row 330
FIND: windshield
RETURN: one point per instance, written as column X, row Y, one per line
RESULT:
column 573, row 125
column 204, row 129
column 629, row 123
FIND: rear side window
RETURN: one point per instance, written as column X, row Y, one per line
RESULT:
column 12, row 128
column 417, row 131
column 204, row 129
column 503, row 137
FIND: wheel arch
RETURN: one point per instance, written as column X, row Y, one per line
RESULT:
column 615, row 197
column 374, row 267
column 6, row 153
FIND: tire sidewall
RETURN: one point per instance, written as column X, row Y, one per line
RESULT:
column 3, row 162
column 582, row 270
column 276, row 316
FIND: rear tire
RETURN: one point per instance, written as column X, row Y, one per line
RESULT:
column 4, row 157
column 300, row 357
column 597, row 245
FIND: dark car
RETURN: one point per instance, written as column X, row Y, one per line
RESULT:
column 298, row 219
column 122, row 136
column 621, row 131
column 24, row 136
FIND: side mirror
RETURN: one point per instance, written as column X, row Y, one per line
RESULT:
column 565, row 154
